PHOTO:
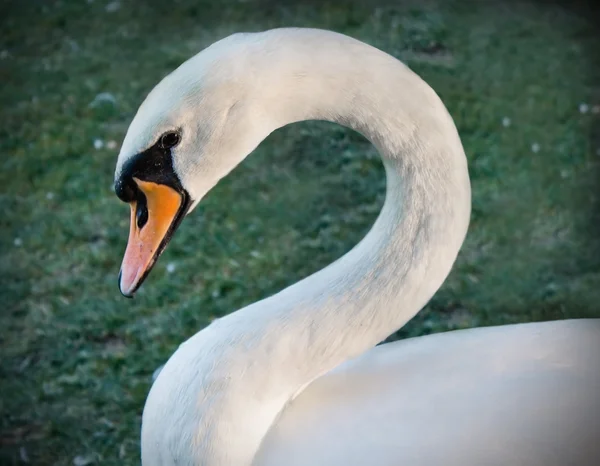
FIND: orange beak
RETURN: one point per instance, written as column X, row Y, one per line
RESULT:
column 152, row 224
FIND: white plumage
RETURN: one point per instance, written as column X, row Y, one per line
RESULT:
column 294, row 379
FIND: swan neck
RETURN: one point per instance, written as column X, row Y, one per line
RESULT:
column 390, row 275
column 225, row 387
column 356, row 302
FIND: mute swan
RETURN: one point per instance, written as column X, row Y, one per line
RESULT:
column 294, row 379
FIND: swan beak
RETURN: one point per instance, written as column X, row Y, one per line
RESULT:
column 154, row 217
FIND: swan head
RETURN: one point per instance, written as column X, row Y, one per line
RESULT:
column 193, row 128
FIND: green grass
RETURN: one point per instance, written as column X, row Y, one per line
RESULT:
column 77, row 358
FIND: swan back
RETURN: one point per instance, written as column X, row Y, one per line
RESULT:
column 519, row 395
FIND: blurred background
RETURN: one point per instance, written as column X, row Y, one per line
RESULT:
column 520, row 79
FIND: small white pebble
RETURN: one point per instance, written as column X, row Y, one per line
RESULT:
column 215, row 294
column 564, row 173
column 171, row 267
column 103, row 97
column 255, row 254
column 50, row 195
column 80, row 460
column 25, row 363
column 583, row 108
column 111, row 145
column 113, row 6
column 506, row 122
column 73, row 45
column 552, row 287
column 473, row 278
column 107, row 422
column 18, row 242
column 98, row 144
column 428, row 324
column 535, row 147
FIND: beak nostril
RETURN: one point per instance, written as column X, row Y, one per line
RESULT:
column 141, row 212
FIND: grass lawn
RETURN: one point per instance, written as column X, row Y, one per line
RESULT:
column 77, row 358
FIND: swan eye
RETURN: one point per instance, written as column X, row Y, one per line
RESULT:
column 170, row 139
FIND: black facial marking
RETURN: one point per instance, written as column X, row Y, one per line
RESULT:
column 126, row 189
column 155, row 164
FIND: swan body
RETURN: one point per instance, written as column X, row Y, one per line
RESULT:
column 294, row 378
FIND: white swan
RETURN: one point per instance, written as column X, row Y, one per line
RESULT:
column 294, row 379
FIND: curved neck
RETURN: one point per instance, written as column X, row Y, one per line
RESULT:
column 356, row 302
column 240, row 371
